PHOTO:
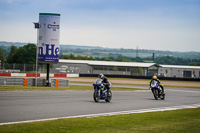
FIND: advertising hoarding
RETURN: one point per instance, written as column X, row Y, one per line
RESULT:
column 49, row 37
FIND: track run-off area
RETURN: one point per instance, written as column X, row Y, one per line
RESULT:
column 28, row 106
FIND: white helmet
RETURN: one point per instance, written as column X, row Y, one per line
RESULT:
column 101, row 76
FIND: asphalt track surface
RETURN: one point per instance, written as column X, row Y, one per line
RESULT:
column 34, row 105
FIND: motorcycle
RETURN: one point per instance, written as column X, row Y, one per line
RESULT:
column 101, row 92
column 157, row 91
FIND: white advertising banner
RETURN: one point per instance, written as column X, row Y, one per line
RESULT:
column 49, row 37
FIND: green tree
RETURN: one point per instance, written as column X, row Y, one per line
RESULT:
column 194, row 64
column 2, row 55
column 170, row 60
column 13, row 50
column 25, row 54
column 122, row 58
column 71, row 56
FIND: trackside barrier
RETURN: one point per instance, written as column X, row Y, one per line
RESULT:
column 40, row 82
column 60, row 75
column 18, row 74
column 32, row 75
column 25, row 81
column 56, row 82
column 5, row 74
column 31, row 82
column 59, row 83
column 12, row 81
column 63, row 83
column 38, row 75
column 72, row 75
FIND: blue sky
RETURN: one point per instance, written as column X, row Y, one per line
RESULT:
column 149, row 24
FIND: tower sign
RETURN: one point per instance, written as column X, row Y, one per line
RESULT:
column 49, row 33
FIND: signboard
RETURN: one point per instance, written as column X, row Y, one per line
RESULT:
column 48, row 40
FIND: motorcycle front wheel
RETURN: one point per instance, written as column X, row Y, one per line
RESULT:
column 96, row 96
column 155, row 93
column 109, row 96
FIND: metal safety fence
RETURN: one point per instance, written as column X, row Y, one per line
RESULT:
column 21, row 68
column 11, row 81
column 61, row 82
column 8, row 81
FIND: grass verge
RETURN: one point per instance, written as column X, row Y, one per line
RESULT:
column 135, row 83
column 147, row 85
column 72, row 87
column 177, row 121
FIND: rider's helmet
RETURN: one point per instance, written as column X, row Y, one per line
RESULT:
column 154, row 77
column 101, row 76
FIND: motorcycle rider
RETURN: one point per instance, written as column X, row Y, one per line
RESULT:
column 105, row 81
column 159, row 83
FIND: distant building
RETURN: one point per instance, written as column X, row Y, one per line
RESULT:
column 106, row 67
column 125, row 68
column 179, row 71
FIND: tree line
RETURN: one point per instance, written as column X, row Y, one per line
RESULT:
column 167, row 60
column 27, row 54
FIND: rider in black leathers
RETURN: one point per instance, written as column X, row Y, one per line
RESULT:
column 105, row 81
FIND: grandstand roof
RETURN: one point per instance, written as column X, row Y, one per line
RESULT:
column 179, row 66
column 108, row 63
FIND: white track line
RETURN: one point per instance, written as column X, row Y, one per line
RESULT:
column 113, row 113
column 183, row 91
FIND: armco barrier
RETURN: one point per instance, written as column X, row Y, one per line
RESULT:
column 63, row 83
column 59, row 83
column 31, row 82
column 40, row 82
column 12, row 81
column 7, row 81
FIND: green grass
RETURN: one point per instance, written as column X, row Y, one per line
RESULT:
column 147, row 85
column 176, row 86
column 133, row 79
column 177, row 121
column 72, row 87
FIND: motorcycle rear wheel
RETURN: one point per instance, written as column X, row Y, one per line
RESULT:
column 162, row 96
